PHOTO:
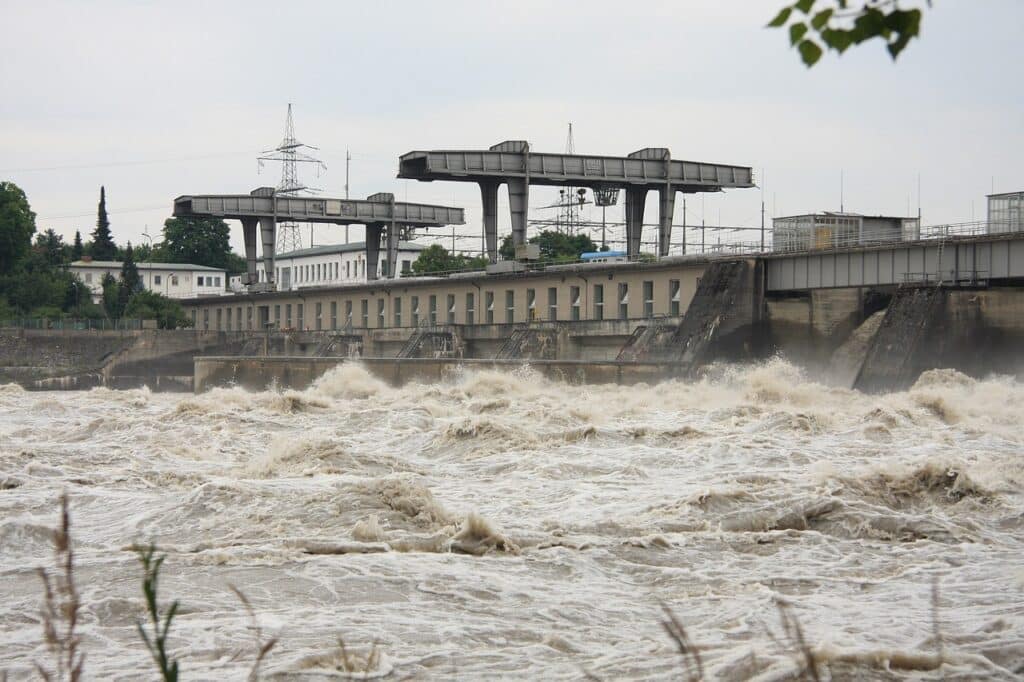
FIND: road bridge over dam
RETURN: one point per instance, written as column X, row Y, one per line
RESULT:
column 966, row 260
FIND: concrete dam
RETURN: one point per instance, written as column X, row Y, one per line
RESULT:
column 856, row 318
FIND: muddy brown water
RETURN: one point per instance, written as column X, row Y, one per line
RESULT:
column 506, row 526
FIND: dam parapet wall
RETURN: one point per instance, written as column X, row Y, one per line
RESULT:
column 301, row 372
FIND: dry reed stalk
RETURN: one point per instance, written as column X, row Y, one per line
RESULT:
column 60, row 607
column 694, row 667
column 793, row 632
column 936, row 628
column 352, row 663
column 262, row 648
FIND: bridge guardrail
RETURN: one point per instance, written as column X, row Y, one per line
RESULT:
column 950, row 278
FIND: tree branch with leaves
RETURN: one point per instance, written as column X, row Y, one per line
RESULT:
column 841, row 24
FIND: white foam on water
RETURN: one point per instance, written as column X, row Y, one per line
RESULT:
column 507, row 525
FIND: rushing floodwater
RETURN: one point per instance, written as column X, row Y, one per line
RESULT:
column 508, row 526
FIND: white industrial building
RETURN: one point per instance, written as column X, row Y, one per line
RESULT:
column 831, row 230
column 328, row 265
column 1006, row 212
column 174, row 280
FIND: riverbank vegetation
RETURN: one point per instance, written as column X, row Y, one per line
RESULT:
column 35, row 281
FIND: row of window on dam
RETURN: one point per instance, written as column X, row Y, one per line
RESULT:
column 553, row 297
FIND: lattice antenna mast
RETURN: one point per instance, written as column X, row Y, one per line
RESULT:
column 290, row 154
column 570, row 199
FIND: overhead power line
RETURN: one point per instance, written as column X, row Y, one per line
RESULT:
column 140, row 209
column 114, row 164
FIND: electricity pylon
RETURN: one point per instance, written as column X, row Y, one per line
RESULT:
column 289, row 153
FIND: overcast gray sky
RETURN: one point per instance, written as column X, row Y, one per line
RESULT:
column 158, row 99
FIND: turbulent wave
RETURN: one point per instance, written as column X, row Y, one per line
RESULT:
column 509, row 525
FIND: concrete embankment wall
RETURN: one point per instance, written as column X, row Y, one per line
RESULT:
column 29, row 355
column 61, row 359
column 164, row 360
column 259, row 373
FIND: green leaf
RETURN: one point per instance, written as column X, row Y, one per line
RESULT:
column 781, row 18
column 170, row 616
column 804, row 5
column 145, row 637
column 868, row 25
column 837, row 39
column 904, row 21
column 809, row 52
column 897, row 45
column 796, row 32
column 821, row 18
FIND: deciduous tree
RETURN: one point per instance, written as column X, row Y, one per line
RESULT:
column 200, row 241
column 111, row 296
column 17, row 225
column 149, row 305
column 51, row 246
column 554, row 246
column 435, row 258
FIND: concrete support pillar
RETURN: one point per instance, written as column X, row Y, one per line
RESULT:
column 249, row 234
column 666, row 207
column 394, row 233
column 268, row 233
column 373, row 233
column 636, row 197
column 519, row 205
column 489, row 198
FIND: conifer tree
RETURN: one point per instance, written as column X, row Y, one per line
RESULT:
column 103, row 247
column 77, row 249
column 130, row 280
